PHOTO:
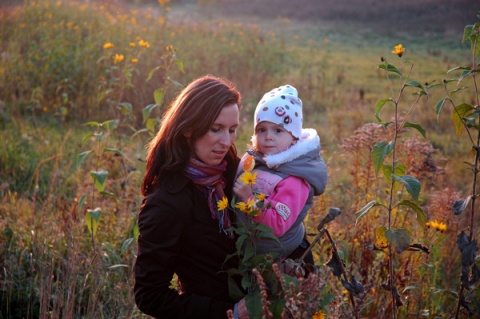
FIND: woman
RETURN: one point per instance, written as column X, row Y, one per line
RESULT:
column 191, row 165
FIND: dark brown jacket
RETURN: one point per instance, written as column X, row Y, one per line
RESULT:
column 178, row 235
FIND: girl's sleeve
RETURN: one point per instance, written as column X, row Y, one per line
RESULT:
column 158, row 246
column 283, row 206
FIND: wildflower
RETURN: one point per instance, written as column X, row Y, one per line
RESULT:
column 108, row 45
column 399, row 50
column 118, row 58
column 248, row 207
column 132, row 44
column 248, row 178
column 143, row 44
column 439, row 226
column 261, row 197
column 222, row 204
column 134, row 60
column 318, row 315
column 169, row 47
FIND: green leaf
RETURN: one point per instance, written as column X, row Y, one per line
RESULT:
column 80, row 158
column 158, row 96
column 110, row 124
column 150, row 125
column 147, row 110
column 253, row 301
column 150, row 74
column 458, row 115
column 180, row 65
column 362, row 212
column 81, row 202
column 92, row 123
column 417, row 85
column 399, row 238
column 417, row 127
column 126, row 108
column 379, row 152
column 468, row 31
column 136, row 231
column 390, row 68
column 92, row 218
column 421, row 217
column 86, row 137
column 104, row 193
column 276, row 307
column 379, row 106
column 400, row 170
column 439, row 106
column 125, row 245
column 412, row 184
column 99, row 178
column 118, row 152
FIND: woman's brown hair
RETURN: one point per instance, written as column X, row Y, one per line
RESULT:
column 193, row 111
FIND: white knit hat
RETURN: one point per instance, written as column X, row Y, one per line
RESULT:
column 283, row 107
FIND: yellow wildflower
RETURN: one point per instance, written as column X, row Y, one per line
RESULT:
column 143, row 44
column 169, row 47
column 132, row 44
column 399, row 50
column 248, row 178
column 134, row 60
column 118, row 58
column 439, row 226
column 318, row 315
column 260, row 197
column 222, row 204
column 248, row 207
column 108, row 45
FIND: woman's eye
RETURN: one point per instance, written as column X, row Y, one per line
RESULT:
column 214, row 129
column 233, row 131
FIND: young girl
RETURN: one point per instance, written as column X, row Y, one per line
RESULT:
column 290, row 171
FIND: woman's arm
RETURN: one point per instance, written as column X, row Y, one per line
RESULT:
column 284, row 205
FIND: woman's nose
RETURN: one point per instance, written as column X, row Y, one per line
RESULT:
column 226, row 139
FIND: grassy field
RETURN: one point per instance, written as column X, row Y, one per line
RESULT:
column 83, row 86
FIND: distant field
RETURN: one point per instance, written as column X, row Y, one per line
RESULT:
column 442, row 16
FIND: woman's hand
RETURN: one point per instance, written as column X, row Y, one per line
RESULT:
column 242, row 190
column 241, row 311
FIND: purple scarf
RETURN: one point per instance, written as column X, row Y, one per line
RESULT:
column 211, row 181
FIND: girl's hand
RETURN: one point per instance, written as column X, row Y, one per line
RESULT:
column 242, row 190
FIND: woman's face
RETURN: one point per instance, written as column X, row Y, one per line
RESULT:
column 212, row 147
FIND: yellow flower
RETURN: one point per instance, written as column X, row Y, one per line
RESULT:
column 134, row 60
column 248, row 178
column 143, row 44
column 318, row 315
column 222, row 204
column 108, row 45
column 399, row 50
column 247, row 208
column 132, row 44
column 439, row 226
column 169, row 47
column 118, row 58
column 260, row 197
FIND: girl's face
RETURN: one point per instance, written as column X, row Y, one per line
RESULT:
column 212, row 147
column 272, row 138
